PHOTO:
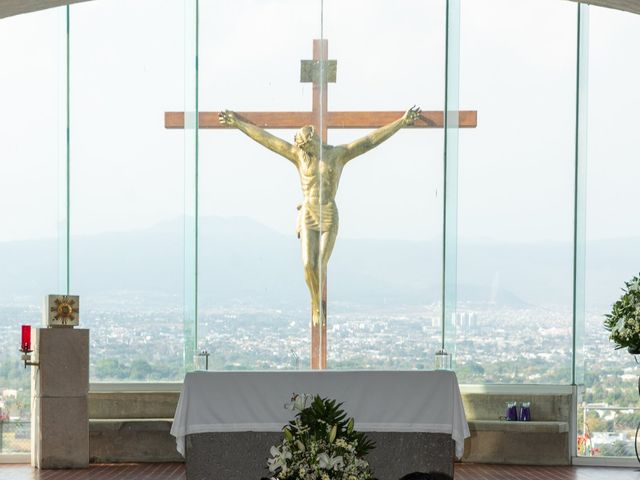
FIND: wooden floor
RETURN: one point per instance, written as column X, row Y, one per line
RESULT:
column 175, row 471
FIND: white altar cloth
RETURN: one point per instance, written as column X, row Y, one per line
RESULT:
column 389, row 401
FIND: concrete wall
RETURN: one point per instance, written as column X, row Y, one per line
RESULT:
column 134, row 426
column 132, row 405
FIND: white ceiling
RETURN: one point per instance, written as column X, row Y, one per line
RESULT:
column 15, row 7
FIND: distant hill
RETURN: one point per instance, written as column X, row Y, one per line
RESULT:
column 246, row 262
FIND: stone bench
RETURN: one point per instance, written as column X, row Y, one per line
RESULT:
column 543, row 441
column 132, row 440
column 132, row 427
column 119, row 431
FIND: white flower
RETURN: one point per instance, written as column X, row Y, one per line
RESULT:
column 618, row 327
column 326, row 462
column 298, row 402
column 279, row 459
column 341, row 443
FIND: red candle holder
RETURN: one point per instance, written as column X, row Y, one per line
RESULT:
column 25, row 345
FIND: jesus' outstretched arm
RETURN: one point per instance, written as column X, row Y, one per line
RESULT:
column 375, row 138
column 273, row 143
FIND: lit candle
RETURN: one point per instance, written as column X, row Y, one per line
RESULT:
column 26, row 337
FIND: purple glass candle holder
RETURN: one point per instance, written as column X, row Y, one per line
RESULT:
column 512, row 412
column 525, row 412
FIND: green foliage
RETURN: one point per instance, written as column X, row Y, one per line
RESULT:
column 12, row 372
column 322, row 413
column 597, row 424
column 320, row 444
column 628, row 421
column 617, row 449
column 139, row 369
column 623, row 322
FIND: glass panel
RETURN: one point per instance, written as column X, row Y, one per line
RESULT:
column 580, row 203
column 385, row 273
column 514, row 310
column 609, row 414
column 64, row 153
column 253, row 302
column 28, row 201
column 191, row 135
column 451, row 147
column 127, row 186
column 580, row 209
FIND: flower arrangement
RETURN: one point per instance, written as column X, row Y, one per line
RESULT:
column 585, row 447
column 623, row 322
column 320, row 444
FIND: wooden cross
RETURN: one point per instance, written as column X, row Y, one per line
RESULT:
column 320, row 71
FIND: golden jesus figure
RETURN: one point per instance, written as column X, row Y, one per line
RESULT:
column 320, row 167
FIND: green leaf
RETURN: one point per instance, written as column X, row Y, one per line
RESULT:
column 333, row 433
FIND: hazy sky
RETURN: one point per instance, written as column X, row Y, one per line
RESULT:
column 517, row 66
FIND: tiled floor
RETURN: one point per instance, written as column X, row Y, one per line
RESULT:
column 469, row 471
column 175, row 471
column 141, row 471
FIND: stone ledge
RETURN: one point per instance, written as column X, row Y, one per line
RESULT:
column 134, row 405
column 142, row 424
column 518, row 427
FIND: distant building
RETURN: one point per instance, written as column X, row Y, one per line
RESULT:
column 608, row 438
column 9, row 393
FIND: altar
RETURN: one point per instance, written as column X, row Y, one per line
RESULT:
column 225, row 422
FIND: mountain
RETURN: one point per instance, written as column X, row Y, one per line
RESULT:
column 243, row 261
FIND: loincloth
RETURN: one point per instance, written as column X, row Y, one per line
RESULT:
column 313, row 216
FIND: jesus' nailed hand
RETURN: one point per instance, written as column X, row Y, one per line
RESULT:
column 320, row 167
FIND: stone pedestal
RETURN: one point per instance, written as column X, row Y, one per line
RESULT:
column 60, row 388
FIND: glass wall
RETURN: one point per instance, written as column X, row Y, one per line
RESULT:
column 30, row 128
column 384, row 292
column 609, row 414
column 252, row 300
column 514, row 311
column 254, row 306
column 515, row 202
column 127, row 188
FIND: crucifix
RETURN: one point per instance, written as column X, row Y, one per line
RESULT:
column 319, row 166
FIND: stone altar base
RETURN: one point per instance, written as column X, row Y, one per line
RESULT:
column 243, row 455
